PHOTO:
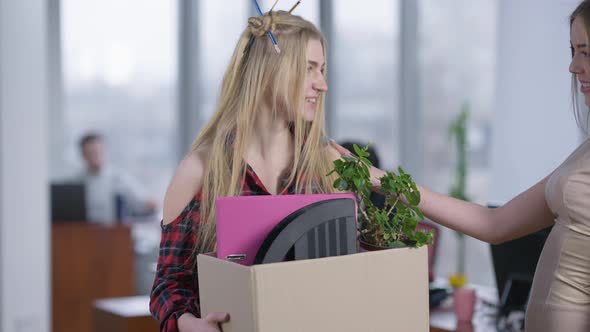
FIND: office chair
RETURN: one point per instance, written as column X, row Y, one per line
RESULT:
column 322, row 229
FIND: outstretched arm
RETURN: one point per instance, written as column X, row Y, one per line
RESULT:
column 524, row 214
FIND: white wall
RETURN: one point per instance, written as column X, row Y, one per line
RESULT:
column 534, row 127
column 24, row 221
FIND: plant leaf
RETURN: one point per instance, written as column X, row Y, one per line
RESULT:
column 357, row 150
column 341, row 184
column 412, row 198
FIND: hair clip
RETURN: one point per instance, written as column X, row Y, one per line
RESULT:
column 294, row 6
column 270, row 35
column 273, row 6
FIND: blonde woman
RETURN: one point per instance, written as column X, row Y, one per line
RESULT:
column 266, row 137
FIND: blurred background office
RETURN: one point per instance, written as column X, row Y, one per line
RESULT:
column 146, row 74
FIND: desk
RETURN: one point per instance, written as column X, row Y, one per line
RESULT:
column 124, row 314
column 443, row 319
column 88, row 262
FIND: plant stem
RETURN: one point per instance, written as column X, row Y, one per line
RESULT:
column 392, row 207
column 461, row 255
column 365, row 215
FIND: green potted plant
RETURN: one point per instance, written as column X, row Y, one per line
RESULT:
column 393, row 225
column 458, row 134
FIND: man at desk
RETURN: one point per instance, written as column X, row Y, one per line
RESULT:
column 110, row 194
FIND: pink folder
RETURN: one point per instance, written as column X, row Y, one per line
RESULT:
column 243, row 222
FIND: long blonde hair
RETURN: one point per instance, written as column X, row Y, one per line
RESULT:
column 257, row 74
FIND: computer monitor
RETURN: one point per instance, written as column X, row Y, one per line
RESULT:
column 68, row 202
column 514, row 265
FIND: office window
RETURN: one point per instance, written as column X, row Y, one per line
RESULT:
column 119, row 67
column 364, row 80
column 219, row 31
column 456, row 67
column 308, row 9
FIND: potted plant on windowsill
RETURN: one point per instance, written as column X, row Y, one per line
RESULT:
column 395, row 224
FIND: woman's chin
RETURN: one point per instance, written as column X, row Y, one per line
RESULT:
column 309, row 114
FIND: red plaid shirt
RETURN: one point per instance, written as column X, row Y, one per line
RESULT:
column 175, row 289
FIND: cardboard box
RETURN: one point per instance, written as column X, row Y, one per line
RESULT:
column 372, row 291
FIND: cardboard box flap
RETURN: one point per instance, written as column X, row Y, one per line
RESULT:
column 228, row 287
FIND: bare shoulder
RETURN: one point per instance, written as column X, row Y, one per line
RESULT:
column 186, row 182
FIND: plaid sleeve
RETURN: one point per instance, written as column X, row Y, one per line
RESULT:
column 175, row 289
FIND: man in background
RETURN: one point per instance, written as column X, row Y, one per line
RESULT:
column 111, row 195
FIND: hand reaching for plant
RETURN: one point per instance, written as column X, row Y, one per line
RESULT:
column 376, row 173
column 394, row 224
column 342, row 150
